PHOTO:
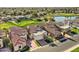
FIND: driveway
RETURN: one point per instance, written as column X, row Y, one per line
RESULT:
column 59, row 48
column 5, row 50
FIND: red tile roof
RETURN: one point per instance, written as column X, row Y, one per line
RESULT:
column 14, row 35
column 16, row 39
column 51, row 28
column 33, row 29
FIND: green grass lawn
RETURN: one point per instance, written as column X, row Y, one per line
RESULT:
column 75, row 50
column 22, row 23
column 76, row 30
column 7, row 25
column 27, row 22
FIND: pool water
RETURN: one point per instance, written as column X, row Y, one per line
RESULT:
column 62, row 18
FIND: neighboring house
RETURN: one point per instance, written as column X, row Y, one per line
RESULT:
column 64, row 25
column 2, row 35
column 39, row 35
column 1, row 21
column 76, row 23
column 36, row 32
column 20, row 32
column 18, row 37
column 20, row 17
column 52, row 30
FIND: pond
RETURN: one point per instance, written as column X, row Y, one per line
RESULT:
column 62, row 18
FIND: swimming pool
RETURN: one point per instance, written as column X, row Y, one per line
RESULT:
column 62, row 18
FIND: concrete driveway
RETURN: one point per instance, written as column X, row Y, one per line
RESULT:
column 59, row 48
column 5, row 50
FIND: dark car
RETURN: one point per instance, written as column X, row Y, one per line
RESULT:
column 63, row 39
column 53, row 45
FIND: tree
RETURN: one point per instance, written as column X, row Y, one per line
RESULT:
column 10, row 45
column 48, row 39
column 6, row 42
column 34, row 15
column 39, row 20
column 25, row 48
column 45, row 19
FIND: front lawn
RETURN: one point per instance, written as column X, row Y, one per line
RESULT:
column 75, row 50
column 75, row 30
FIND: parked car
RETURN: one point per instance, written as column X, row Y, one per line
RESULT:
column 63, row 39
column 53, row 45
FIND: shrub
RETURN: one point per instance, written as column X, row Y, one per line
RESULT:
column 6, row 42
column 39, row 20
column 10, row 45
column 48, row 39
column 25, row 48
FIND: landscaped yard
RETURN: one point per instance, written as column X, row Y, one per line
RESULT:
column 75, row 30
column 49, row 39
column 75, row 50
column 22, row 23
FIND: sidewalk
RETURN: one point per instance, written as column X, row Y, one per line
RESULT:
column 72, row 48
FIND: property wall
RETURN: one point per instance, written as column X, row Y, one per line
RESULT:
column 1, row 43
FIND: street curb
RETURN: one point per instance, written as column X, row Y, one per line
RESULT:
column 40, row 47
column 72, row 48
